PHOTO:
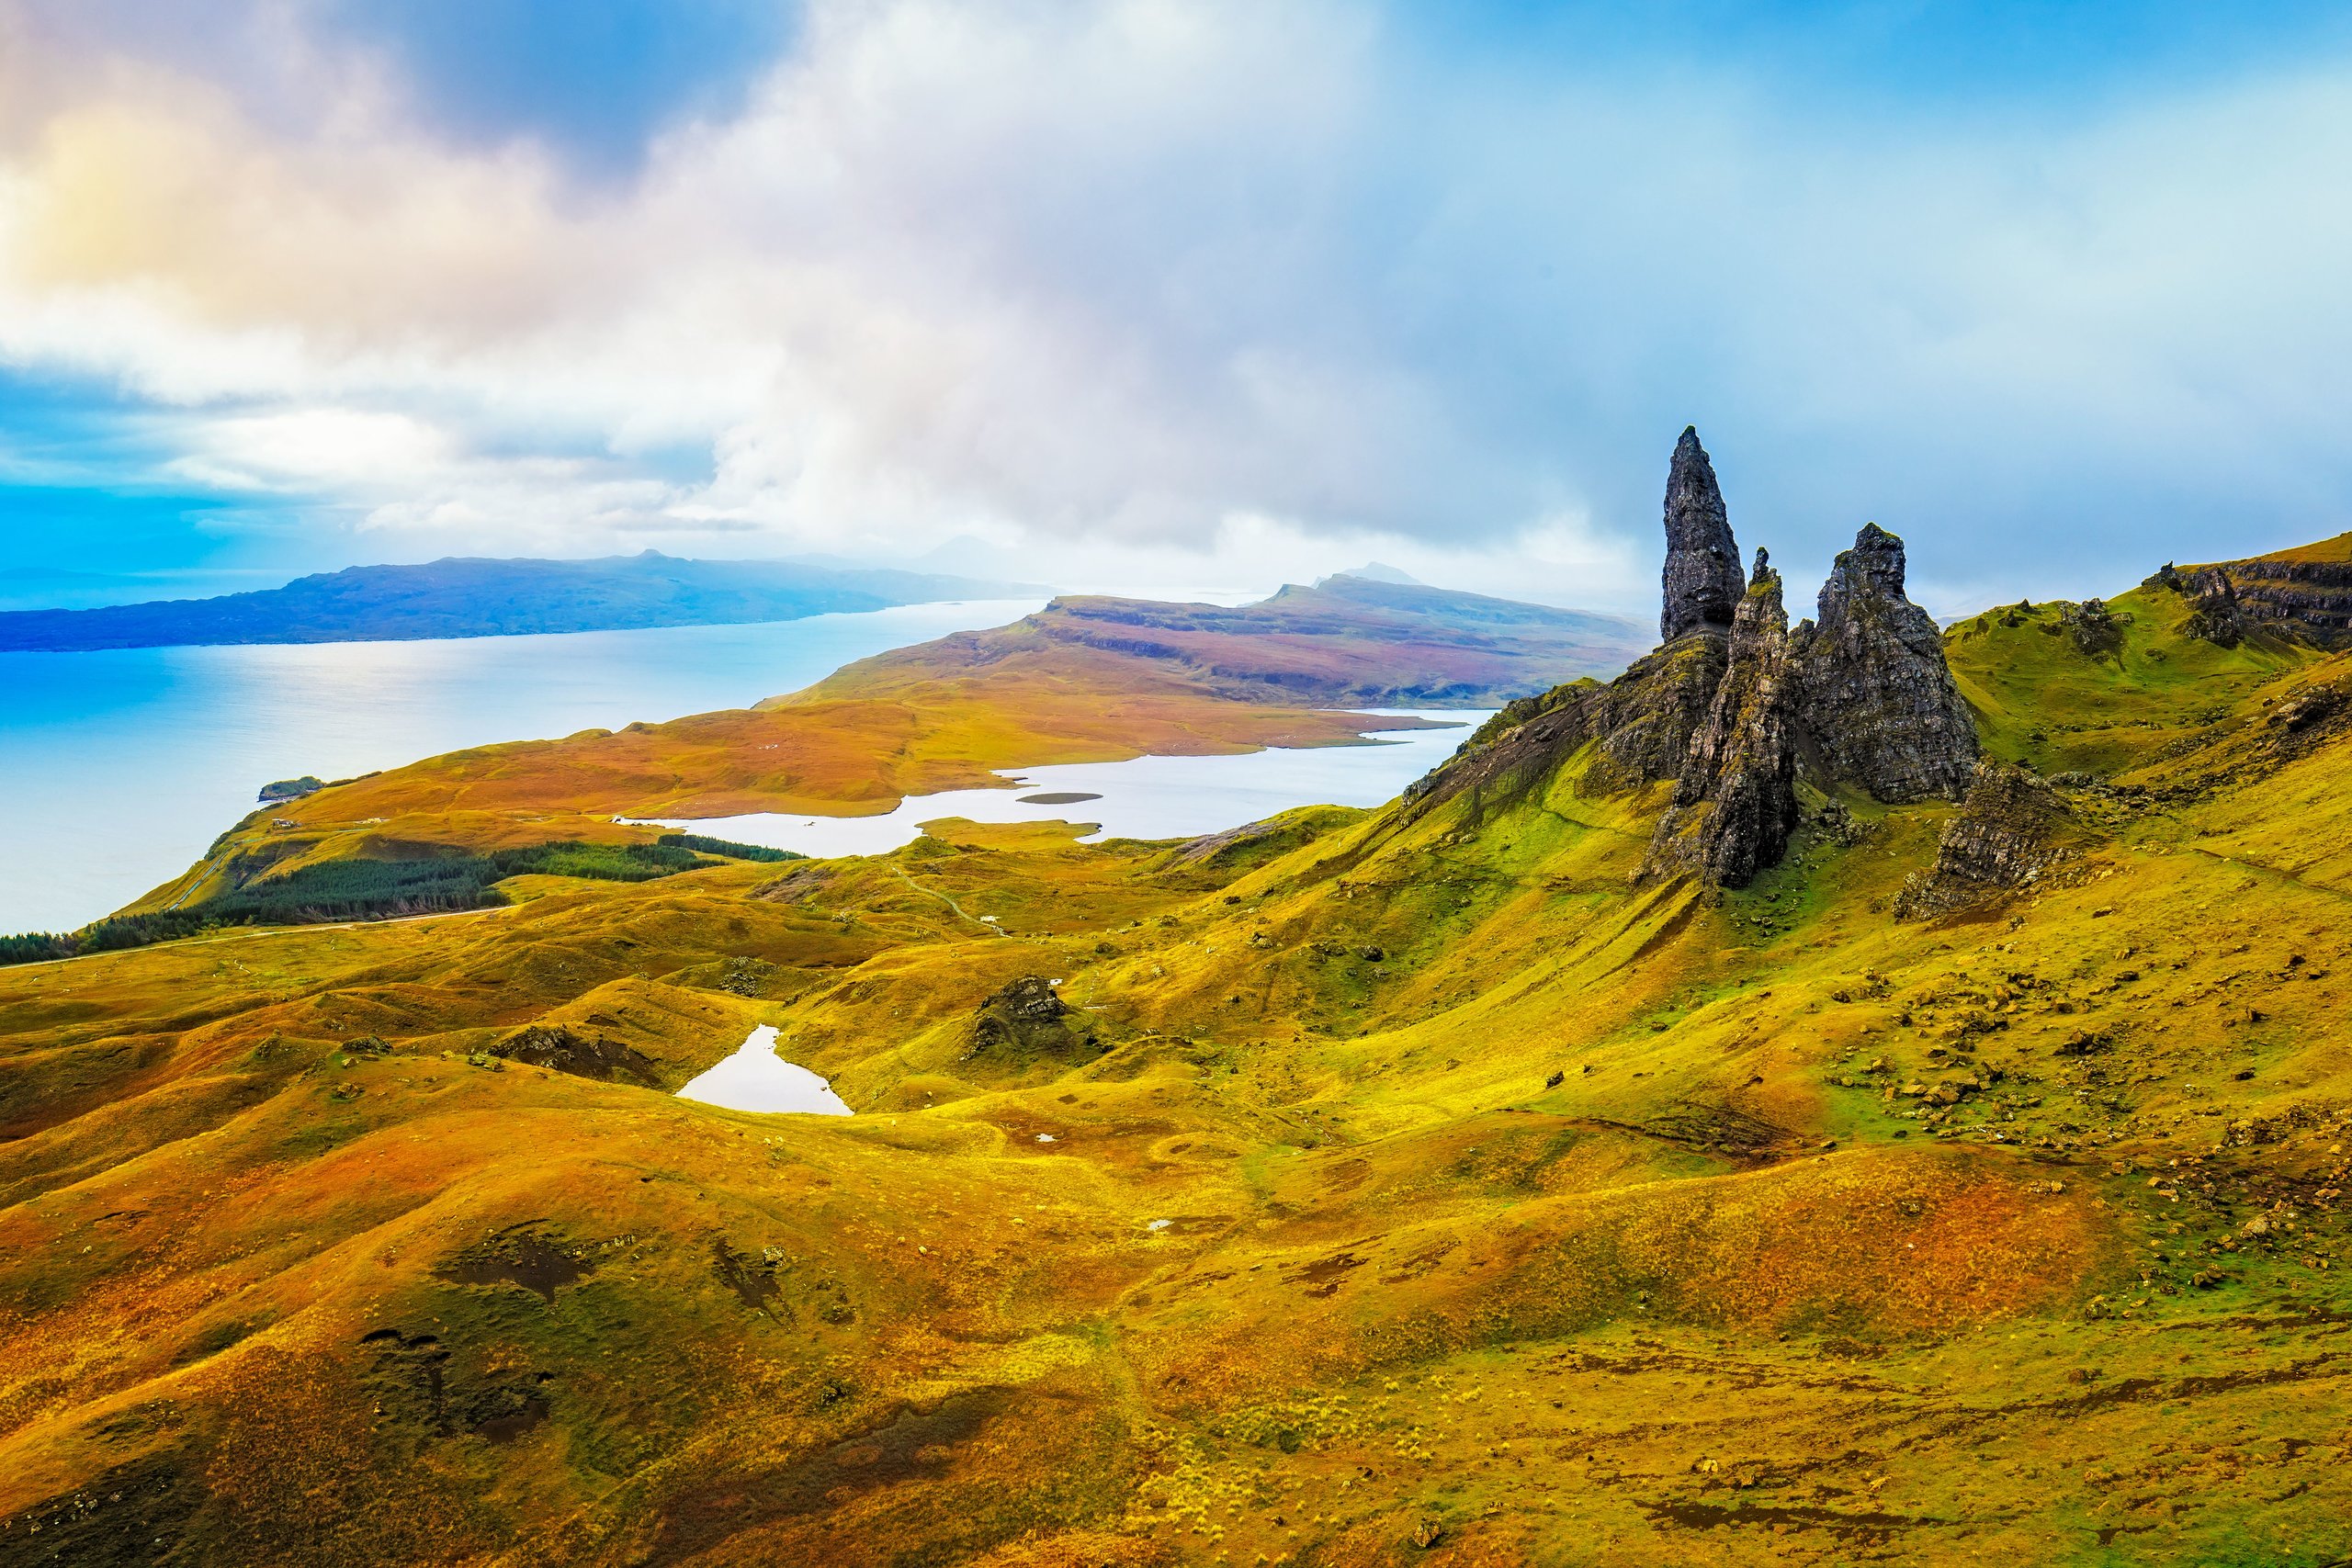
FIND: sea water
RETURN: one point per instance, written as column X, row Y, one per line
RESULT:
column 117, row 768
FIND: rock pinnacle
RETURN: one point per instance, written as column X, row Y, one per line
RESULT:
column 1702, row 580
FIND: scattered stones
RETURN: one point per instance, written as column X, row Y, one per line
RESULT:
column 2085, row 1042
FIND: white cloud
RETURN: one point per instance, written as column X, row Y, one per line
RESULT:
column 1140, row 284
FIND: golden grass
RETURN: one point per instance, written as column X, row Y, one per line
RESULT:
column 1836, row 1239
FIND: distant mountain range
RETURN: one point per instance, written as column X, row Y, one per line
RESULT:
column 1348, row 641
column 462, row 597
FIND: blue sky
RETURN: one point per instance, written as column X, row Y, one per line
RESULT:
column 1145, row 292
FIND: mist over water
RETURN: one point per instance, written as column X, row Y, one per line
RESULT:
column 117, row 768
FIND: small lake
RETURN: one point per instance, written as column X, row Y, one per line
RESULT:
column 1148, row 797
column 756, row 1078
column 117, row 768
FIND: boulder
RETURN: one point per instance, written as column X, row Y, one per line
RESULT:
column 2011, row 833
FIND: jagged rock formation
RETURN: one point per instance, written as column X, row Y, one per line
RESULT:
column 1702, row 581
column 1643, row 723
column 2217, row 618
column 562, row 1049
column 2096, row 629
column 1733, row 701
column 1735, row 803
column 1027, row 1020
column 2013, row 830
column 1876, row 697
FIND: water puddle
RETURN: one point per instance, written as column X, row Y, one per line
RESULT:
column 1144, row 798
column 756, row 1078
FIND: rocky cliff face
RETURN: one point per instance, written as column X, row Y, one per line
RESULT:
column 1875, row 693
column 2011, row 833
column 1735, row 802
column 1702, row 580
column 2306, row 593
column 1640, row 727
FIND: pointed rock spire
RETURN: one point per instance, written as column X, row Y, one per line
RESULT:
column 1876, row 694
column 1703, row 577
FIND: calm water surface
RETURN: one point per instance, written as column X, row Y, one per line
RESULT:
column 1149, row 797
column 756, row 1078
column 117, row 769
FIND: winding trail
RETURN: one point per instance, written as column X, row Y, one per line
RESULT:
column 988, row 926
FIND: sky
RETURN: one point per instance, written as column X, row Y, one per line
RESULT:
column 1171, row 296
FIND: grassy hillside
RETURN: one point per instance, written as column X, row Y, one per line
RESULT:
column 1347, row 640
column 1400, row 1187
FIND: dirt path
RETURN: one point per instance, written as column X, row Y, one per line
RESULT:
column 988, row 926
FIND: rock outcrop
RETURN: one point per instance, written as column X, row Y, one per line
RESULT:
column 587, row 1056
column 2012, row 832
column 1027, row 1021
column 2216, row 616
column 1735, row 803
column 1876, row 695
column 1643, row 723
column 2095, row 629
column 1702, row 580
column 2305, row 594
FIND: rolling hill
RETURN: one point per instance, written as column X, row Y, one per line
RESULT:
column 1835, row 1092
column 1348, row 641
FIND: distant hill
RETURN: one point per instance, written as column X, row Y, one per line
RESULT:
column 1348, row 640
column 1376, row 571
column 473, row 597
column 2304, row 592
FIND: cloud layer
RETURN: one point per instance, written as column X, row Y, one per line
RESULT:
column 1202, row 293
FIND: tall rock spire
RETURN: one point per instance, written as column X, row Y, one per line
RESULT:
column 1876, row 694
column 1703, row 583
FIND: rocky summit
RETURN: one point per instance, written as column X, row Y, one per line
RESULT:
column 1736, row 711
